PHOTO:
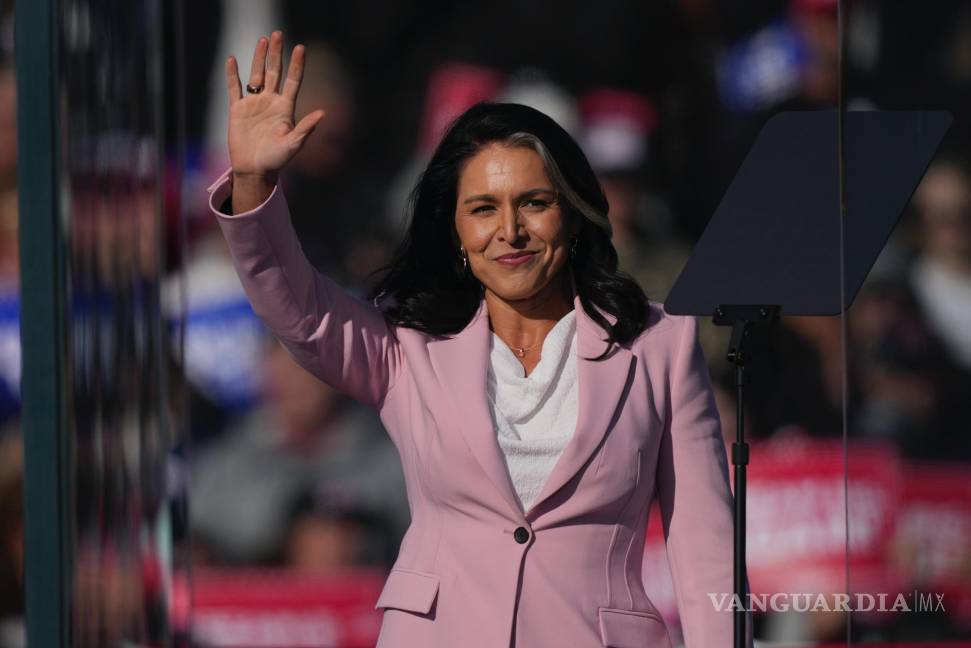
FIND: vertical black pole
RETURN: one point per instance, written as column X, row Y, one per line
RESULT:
column 742, row 319
column 46, row 488
column 844, row 405
column 737, row 355
column 740, row 459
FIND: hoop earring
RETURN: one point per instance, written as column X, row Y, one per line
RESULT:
column 465, row 259
column 573, row 248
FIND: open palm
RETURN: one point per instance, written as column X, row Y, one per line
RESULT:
column 262, row 133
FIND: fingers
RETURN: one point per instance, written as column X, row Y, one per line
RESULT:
column 305, row 127
column 232, row 80
column 294, row 74
column 274, row 62
column 257, row 69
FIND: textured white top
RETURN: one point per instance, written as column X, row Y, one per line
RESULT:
column 535, row 416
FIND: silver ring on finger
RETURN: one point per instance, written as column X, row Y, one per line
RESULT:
column 254, row 89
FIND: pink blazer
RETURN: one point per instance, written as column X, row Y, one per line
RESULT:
column 474, row 570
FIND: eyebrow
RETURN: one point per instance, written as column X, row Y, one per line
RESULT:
column 491, row 198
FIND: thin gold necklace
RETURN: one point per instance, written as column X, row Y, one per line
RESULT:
column 521, row 351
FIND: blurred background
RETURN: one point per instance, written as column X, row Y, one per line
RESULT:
column 220, row 496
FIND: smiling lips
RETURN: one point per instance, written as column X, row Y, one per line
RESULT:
column 516, row 258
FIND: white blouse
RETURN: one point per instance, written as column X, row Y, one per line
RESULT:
column 535, row 416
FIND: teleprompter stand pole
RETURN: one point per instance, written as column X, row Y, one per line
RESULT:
column 742, row 319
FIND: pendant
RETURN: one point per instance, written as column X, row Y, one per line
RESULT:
column 520, row 352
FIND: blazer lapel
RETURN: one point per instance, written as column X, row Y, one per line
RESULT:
column 600, row 386
column 461, row 363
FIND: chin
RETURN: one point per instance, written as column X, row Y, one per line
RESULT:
column 516, row 292
column 517, row 296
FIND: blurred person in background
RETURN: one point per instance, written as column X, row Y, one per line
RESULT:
column 452, row 88
column 617, row 136
column 793, row 379
column 325, row 171
column 534, row 87
column 246, row 488
column 322, row 177
column 941, row 273
column 905, row 387
column 223, row 343
column 9, row 252
column 785, row 62
column 345, row 520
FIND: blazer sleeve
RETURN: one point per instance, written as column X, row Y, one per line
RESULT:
column 344, row 341
column 695, row 500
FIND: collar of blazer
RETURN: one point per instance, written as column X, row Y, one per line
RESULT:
column 461, row 363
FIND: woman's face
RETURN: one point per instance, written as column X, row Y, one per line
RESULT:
column 943, row 200
column 507, row 206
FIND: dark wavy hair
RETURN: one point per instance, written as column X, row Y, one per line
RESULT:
column 425, row 286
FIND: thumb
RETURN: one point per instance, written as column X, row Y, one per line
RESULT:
column 305, row 127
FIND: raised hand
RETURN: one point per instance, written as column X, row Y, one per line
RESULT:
column 262, row 133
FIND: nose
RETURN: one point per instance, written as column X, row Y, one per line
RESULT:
column 509, row 223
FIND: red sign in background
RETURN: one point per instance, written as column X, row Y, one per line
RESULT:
column 280, row 609
column 909, row 529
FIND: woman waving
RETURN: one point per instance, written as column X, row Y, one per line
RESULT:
column 539, row 401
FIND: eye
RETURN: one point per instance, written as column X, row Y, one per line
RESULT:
column 536, row 204
column 481, row 208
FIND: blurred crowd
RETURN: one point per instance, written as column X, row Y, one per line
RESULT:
column 664, row 97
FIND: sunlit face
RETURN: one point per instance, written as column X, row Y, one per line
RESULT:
column 507, row 205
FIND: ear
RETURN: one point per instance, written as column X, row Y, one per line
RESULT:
column 455, row 235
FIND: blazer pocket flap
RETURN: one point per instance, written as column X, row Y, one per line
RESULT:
column 409, row 590
column 630, row 629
